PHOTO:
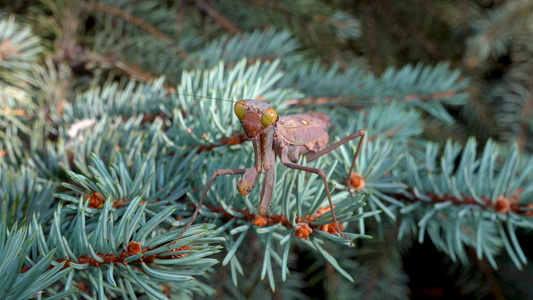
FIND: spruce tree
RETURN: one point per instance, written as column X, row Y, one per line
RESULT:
column 114, row 115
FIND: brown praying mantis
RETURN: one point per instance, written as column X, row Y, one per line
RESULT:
column 288, row 137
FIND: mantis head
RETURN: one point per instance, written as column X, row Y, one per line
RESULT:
column 255, row 116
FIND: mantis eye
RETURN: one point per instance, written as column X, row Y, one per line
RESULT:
column 268, row 117
column 239, row 110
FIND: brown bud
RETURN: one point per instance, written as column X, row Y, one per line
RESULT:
column 303, row 230
column 96, row 200
column 134, row 247
column 260, row 221
column 502, row 205
column 356, row 181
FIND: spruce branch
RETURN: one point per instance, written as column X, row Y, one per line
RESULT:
column 428, row 88
column 127, row 239
column 514, row 114
column 127, row 16
column 495, row 31
column 25, row 194
column 17, row 109
column 53, row 86
column 312, row 24
column 128, row 160
column 24, row 276
column 256, row 45
column 123, row 67
column 479, row 203
column 342, row 24
column 19, row 50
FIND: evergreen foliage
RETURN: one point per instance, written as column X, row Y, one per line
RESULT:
column 114, row 115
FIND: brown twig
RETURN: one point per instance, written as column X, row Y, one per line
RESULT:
column 97, row 200
column 303, row 228
column 352, row 100
column 127, row 17
column 133, row 248
column 133, row 72
column 219, row 18
column 133, row 20
column 502, row 204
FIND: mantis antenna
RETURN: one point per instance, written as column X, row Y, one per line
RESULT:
column 189, row 95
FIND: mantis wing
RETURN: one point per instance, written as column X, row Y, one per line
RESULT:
column 308, row 130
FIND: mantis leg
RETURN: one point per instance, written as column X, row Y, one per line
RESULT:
column 266, row 191
column 218, row 172
column 322, row 174
column 269, row 159
column 359, row 133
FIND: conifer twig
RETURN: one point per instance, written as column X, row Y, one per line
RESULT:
column 304, row 224
column 347, row 99
column 501, row 205
column 133, row 248
column 218, row 17
column 127, row 17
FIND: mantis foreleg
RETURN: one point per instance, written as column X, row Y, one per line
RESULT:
column 266, row 191
column 218, row 172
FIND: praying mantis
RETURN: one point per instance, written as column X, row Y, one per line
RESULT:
column 287, row 137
